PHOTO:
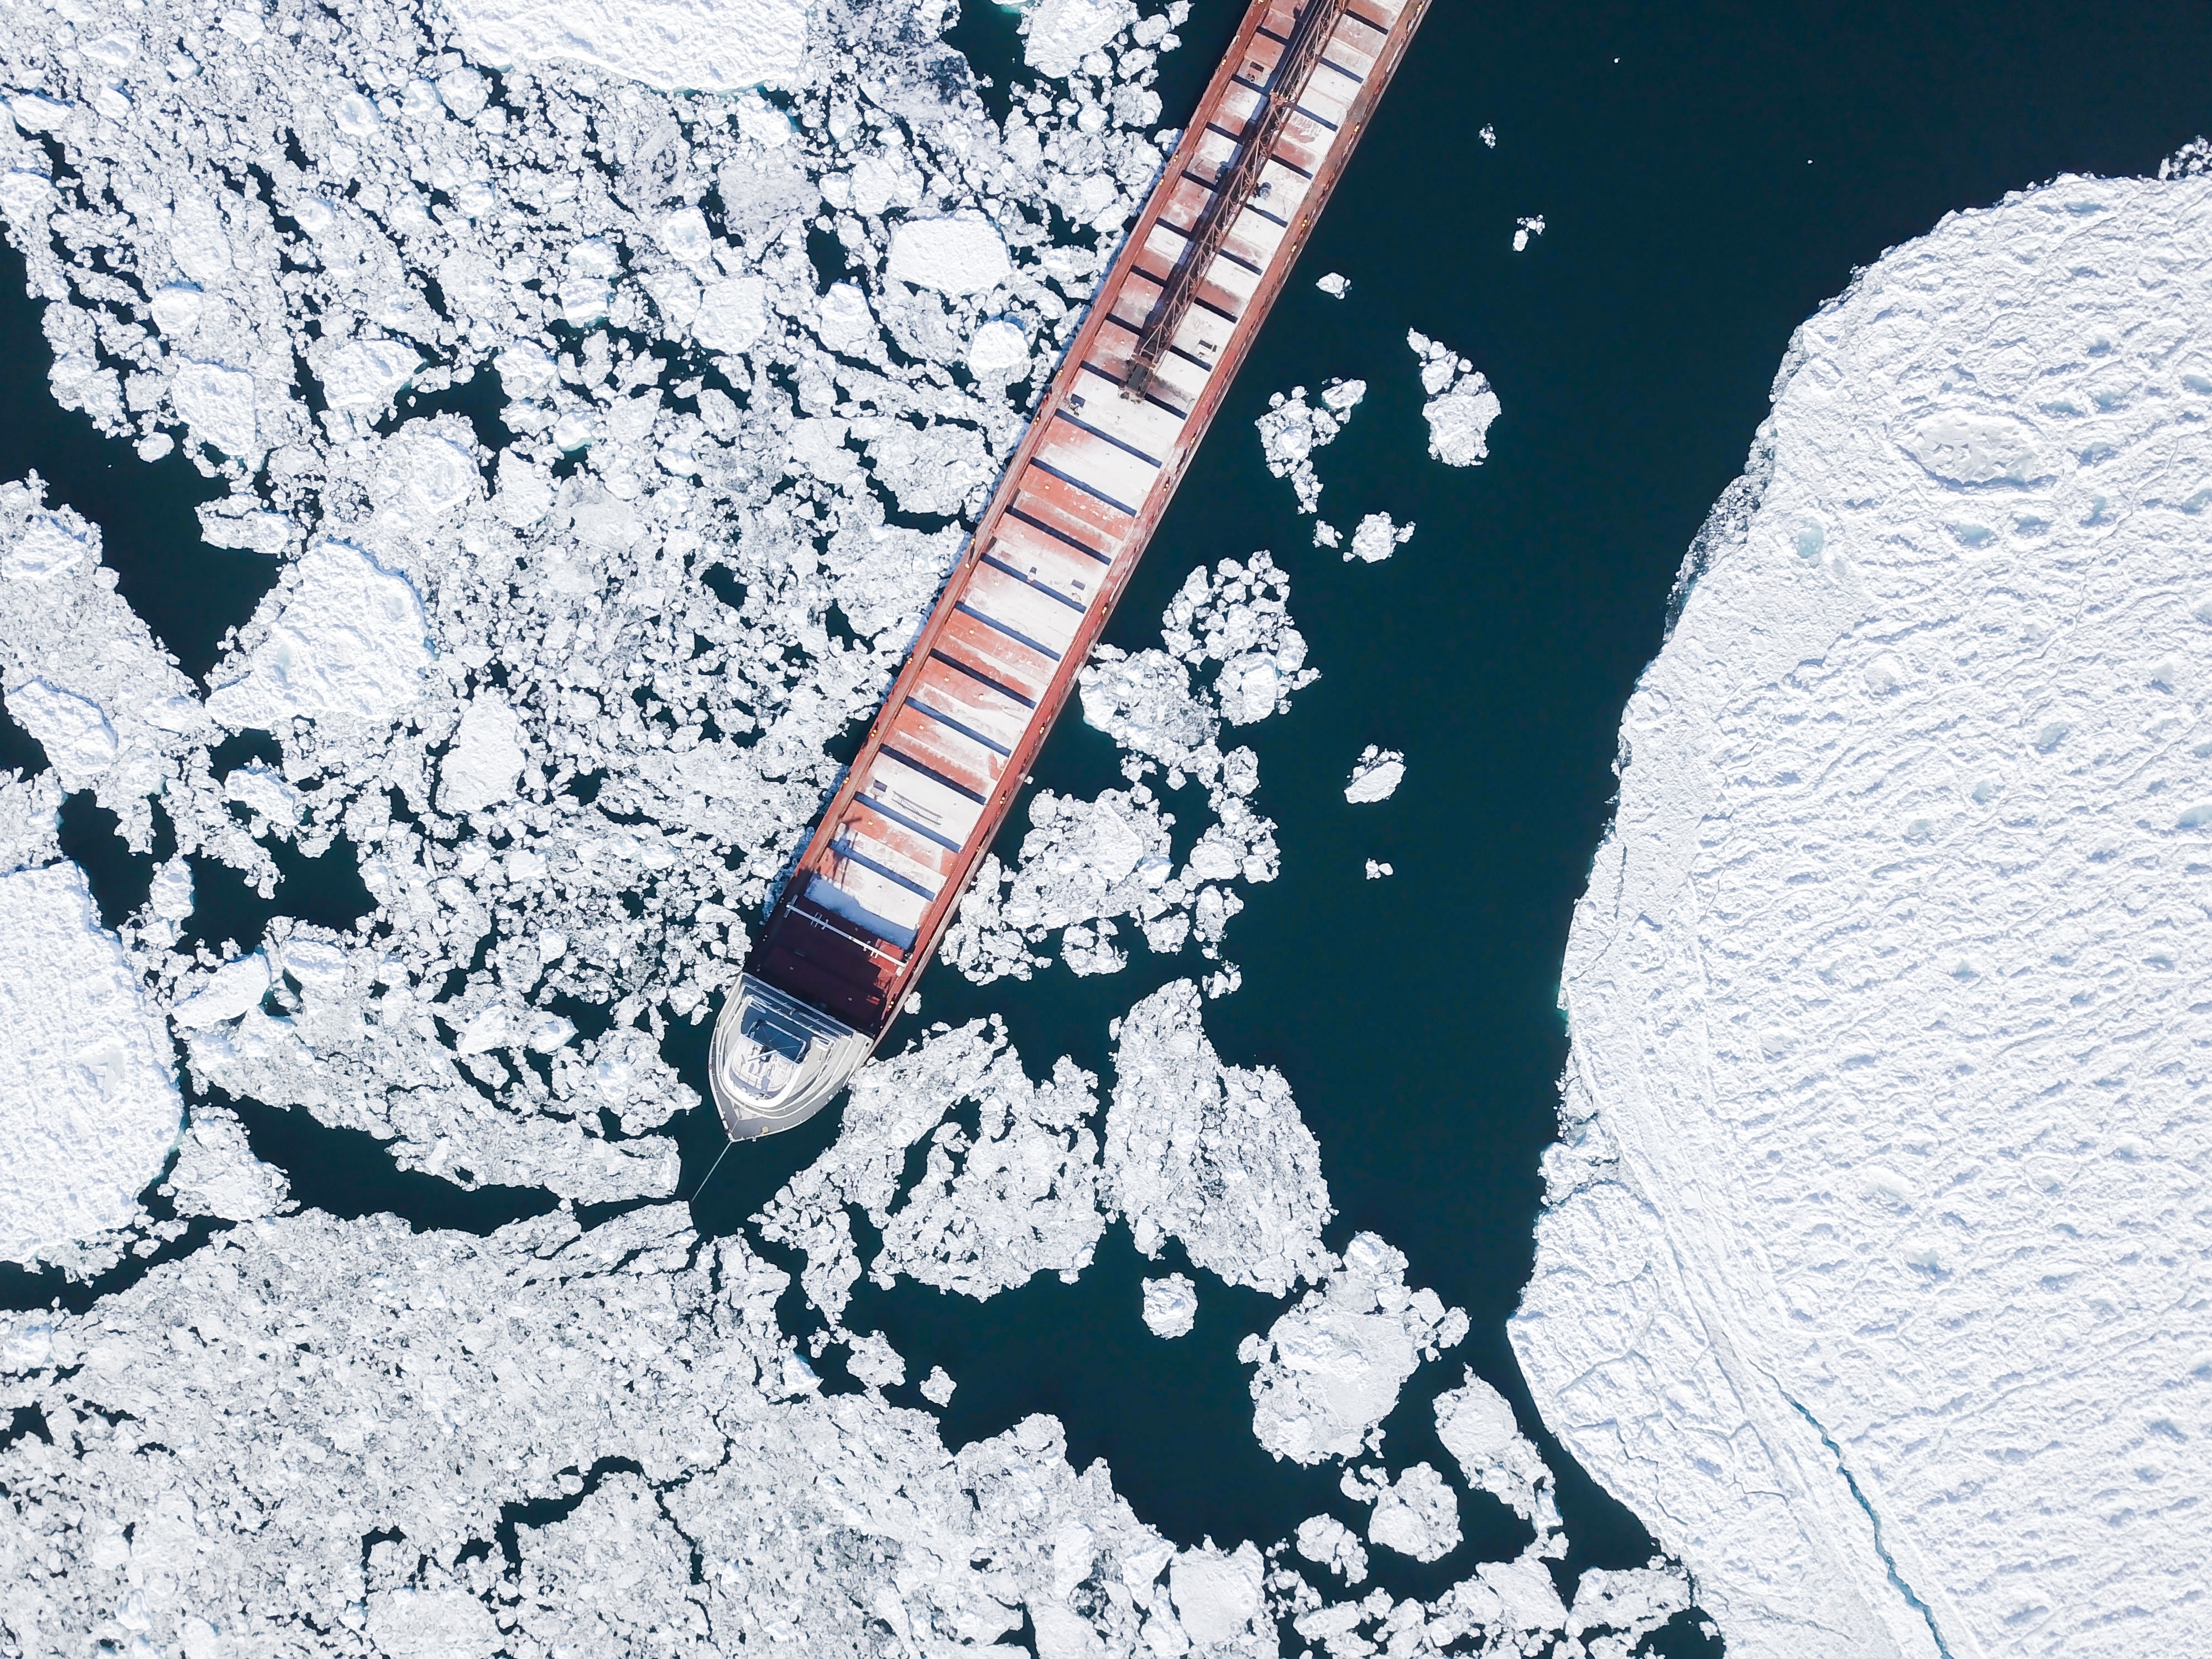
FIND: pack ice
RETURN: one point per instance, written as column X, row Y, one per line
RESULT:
column 1874, row 1273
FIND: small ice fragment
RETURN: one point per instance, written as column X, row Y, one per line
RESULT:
column 1335, row 285
column 1375, row 775
column 1489, row 136
column 1170, row 1305
column 1376, row 871
column 1328, row 535
column 1529, row 227
column 936, row 1388
column 1377, row 538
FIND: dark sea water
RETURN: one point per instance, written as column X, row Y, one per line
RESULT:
column 1709, row 175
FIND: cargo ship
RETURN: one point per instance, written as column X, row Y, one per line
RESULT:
column 994, row 663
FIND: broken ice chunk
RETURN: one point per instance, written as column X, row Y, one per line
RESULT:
column 362, row 377
column 1214, row 1156
column 177, row 308
column 844, row 321
column 1376, row 871
column 1417, row 1515
column 223, row 995
column 47, row 547
column 1170, row 1305
column 79, row 742
column 217, row 1173
column 481, row 768
column 1526, row 228
column 1335, row 286
column 89, row 1108
column 671, row 45
column 1331, row 1368
column 1377, row 538
column 1327, row 1542
column 349, row 642
column 1293, row 428
column 216, row 402
column 1461, row 405
column 936, row 1388
column 733, row 313
column 1063, row 32
column 998, row 352
column 1375, row 775
column 1476, row 1425
column 958, row 255
column 262, row 791
column 875, row 1363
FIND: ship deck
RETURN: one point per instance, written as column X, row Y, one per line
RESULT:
column 997, row 658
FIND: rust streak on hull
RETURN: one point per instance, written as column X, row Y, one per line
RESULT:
column 995, row 662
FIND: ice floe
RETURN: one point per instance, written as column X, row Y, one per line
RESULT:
column 1377, row 538
column 1331, row 1368
column 1375, row 775
column 88, row 1106
column 245, row 1443
column 1170, row 1305
column 990, row 1209
column 1214, row 1157
column 1294, row 428
column 728, row 46
column 1415, row 1514
column 1868, row 1227
column 1461, row 405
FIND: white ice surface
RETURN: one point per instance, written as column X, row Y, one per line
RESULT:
column 1170, row 1305
column 1477, row 1428
column 1461, row 405
column 89, row 1104
column 1874, row 1273
column 1331, row 1368
column 1215, row 1156
column 486, row 760
column 960, row 254
column 1377, row 538
column 442, row 1380
column 348, row 642
column 1416, row 1515
column 1375, row 775
column 80, row 744
column 688, row 46
column 1062, row 33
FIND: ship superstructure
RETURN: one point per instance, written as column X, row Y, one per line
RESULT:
column 994, row 663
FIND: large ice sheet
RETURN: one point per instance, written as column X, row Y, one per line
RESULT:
column 88, row 1105
column 1872, row 1273
column 688, row 46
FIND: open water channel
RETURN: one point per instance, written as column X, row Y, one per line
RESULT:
column 1708, row 175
